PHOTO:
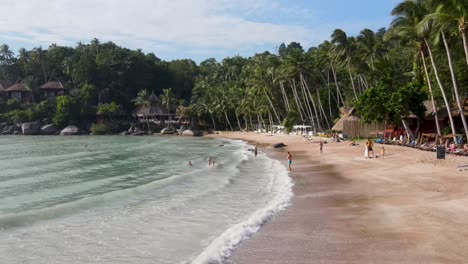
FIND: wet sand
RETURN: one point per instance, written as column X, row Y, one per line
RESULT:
column 407, row 207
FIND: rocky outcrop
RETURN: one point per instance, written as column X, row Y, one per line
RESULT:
column 188, row 133
column 70, row 131
column 140, row 133
column 168, row 130
column 49, row 129
column 279, row 145
column 13, row 128
column 31, row 128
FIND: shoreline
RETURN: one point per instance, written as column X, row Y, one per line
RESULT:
column 405, row 208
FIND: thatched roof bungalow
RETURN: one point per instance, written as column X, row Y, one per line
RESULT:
column 352, row 126
column 18, row 91
column 155, row 112
column 52, row 89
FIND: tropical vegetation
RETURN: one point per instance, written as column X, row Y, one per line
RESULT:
column 385, row 74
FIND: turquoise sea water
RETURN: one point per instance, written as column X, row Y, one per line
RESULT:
column 118, row 199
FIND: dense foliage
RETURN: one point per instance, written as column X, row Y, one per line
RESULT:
column 386, row 74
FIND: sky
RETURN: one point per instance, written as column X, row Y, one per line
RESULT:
column 188, row 29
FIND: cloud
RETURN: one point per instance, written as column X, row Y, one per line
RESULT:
column 151, row 24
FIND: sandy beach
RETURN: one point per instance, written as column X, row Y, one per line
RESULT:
column 407, row 207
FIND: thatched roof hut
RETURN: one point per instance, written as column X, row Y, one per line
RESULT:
column 152, row 110
column 53, row 86
column 346, row 114
column 17, row 87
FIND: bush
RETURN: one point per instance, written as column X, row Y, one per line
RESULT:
column 13, row 104
column 100, row 129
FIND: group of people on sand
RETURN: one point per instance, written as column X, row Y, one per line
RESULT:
column 369, row 148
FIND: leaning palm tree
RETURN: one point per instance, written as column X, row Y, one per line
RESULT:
column 343, row 48
column 368, row 44
column 409, row 15
column 444, row 24
column 451, row 15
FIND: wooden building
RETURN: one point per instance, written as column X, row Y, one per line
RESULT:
column 18, row 91
column 51, row 89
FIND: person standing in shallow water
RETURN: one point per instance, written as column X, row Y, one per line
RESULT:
column 321, row 146
column 289, row 160
column 255, row 151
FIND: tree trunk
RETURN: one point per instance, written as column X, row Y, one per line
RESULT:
column 352, row 81
column 307, row 102
column 465, row 44
column 306, row 87
column 322, row 110
column 441, row 87
column 147, row 123
column 455, row 85
column 299, row 106
column 227, row 119
column 272, row 106
column 212, row 119
column 338, row 92
column 305, row 108
column 285, row 97
column 238, row 121
column 409, row 134
column 429, row 84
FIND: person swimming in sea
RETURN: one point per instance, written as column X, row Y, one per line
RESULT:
column 190, row 163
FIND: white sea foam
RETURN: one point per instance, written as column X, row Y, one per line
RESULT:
column 143, row 205
column 221, row 247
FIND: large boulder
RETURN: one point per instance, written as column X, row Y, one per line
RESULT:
column 168, row 130
column 49, row 129
column 31, row 128
column 279, row 145
column 139, row 133
column 13, row 128
column 70, row 131
column 188, row 133
column 6, row 130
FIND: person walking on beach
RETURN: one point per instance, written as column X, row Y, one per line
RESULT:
column 289, row 160
column 382, row 152
column 321, row 146
column 255, row 151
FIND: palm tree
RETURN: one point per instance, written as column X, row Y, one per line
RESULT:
column 143, row 100
column 451, row 14
column 6, row 55
column 168, row 99
column 40, row 54
column 368, row 44
column 444, row 23
column 343, row 48
column 409, row 15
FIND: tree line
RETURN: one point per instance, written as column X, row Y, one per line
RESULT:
column 385, row 74
column 97, row 76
